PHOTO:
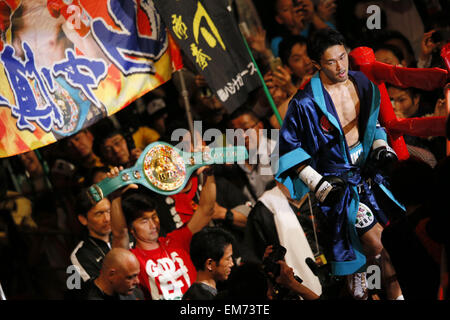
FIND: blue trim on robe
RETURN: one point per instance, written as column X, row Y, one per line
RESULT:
column 390, row 195
column 357, row 265
column 286, row 162
column 371, row 127
column 317, row 89
column 380, row 133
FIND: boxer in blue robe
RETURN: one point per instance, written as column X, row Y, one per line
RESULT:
column 312, row 134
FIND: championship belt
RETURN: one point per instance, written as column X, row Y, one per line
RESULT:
column 165, row 169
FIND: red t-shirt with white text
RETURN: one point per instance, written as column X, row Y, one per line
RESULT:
column 167, row 272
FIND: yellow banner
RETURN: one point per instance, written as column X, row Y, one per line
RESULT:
column 65, row 64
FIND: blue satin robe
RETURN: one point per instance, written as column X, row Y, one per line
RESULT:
column 312, row 133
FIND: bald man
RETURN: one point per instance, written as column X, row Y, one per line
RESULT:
column 118, row 279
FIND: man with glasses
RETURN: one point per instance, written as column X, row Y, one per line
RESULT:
column 255, row 175
column 114, row 149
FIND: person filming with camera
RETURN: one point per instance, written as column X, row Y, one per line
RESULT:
column 283, row 283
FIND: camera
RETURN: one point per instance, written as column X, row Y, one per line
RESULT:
column 271, row 266
column 275, row 63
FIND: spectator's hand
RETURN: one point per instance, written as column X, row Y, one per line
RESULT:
column 279, row 95
column 207, row 170
column 306, row 7
column 268, row 251
column 427, row 45
column 440, row 109
column 270, row 291
column 300, row 21
column 326, row 9
column 282, row 78
column 219, row 212
column 257, row 41
column 287, row 280
column 286, row 277
column 268, row 79
column 114, row 172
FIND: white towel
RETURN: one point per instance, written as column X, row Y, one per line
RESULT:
column 292, row 237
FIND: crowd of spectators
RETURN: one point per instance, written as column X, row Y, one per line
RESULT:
column 213, row 240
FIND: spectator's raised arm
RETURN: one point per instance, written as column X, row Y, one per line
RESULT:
column 204, row 213
column 118, row 222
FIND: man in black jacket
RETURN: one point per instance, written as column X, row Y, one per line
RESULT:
column 118, row 279
column 90, row 252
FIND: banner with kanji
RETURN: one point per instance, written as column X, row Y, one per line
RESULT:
column 65, row 64
column 208, row 34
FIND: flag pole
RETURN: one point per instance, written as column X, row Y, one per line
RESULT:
column 187, row 104
column 266, row 90
column 177, row 64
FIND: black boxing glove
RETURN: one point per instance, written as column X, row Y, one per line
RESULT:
column 383, row 156
column 328, row 190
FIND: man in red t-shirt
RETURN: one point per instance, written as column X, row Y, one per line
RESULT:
column 166, row 267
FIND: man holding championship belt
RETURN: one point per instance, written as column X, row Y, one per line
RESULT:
column 166, row 267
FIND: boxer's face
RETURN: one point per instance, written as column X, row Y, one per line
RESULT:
column 334, row 64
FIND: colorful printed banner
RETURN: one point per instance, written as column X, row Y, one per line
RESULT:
column 208, row 34
column 65, row 64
